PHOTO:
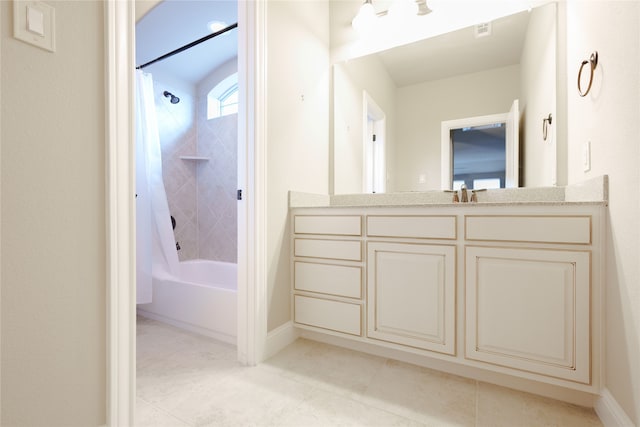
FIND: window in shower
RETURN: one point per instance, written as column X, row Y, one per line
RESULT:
column 222, row 100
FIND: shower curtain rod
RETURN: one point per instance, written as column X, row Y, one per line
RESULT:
column 188, row 46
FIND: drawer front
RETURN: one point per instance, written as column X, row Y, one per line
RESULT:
column 332, row 315
column 427, row 227
column 337, row 225
column 542, row 229
column 337, row 280
column 350, row 250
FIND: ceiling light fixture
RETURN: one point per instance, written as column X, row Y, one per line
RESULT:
column 215, row 26
column 401, row 9
column 365, row 21
column 423, row 9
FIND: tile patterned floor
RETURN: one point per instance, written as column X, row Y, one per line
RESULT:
column 188, row 380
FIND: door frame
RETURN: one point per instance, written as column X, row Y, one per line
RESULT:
column 120, row 194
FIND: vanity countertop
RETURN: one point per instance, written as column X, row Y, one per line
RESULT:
column 592, row 192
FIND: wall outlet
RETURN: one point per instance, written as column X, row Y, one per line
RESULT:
column 422, row 179
column 586, row 156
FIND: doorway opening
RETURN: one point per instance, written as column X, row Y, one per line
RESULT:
column 374, row 142
column 481, row 152
column 478, row 156
column 199, row 170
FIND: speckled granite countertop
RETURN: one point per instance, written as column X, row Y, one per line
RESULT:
column 593, row 191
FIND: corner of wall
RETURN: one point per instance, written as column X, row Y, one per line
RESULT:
column 279, row 338
column 610, row 412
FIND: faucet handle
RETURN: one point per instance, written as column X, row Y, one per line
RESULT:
column 455, row 195
column 474, row 197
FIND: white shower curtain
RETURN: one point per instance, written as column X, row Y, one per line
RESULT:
column 155, row 242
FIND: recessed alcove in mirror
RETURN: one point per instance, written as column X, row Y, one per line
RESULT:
column 448, row 77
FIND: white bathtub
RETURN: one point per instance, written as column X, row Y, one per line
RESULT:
column 202, row 300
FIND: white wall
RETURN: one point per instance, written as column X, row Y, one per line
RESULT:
column 422, row 107
column 53, row 222
column 216, row 76
column 609, row 117
column 538, row 98
column 297, row 128
column 351, row 78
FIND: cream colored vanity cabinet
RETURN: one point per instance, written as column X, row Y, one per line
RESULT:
column 327, row 272
column 532, row 290
column 411, row 285
column 510, row 288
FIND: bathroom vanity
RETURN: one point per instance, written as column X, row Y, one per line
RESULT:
column 510, row 284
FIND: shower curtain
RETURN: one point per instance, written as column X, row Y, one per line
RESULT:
column 155, row 242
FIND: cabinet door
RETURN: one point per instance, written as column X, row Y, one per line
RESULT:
column 528, row 309
column 411, row 295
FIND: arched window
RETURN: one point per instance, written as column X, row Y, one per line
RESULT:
column 223, row 98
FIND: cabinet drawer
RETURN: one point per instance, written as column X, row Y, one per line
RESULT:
column 543, row 229
column 337, row 225
column 340, row 280
column 350, row 250
column 427, row 227
column 332, row 315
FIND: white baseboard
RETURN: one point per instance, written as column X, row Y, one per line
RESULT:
column 610, row 412
column 279, row 338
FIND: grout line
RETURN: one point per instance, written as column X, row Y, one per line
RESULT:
column 164, row 412
column 475, row 422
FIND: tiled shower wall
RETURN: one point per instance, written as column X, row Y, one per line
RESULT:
column 217, row 186
column 201, row 194
column 178, row 137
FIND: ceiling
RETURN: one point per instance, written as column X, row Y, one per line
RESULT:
column 174, row 23
column 458, row 52
column 446, row 55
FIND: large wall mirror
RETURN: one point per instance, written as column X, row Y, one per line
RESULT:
column 449, row 77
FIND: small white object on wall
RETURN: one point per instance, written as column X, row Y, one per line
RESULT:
column 586, row 156
column 35, row 20
column 34, row 23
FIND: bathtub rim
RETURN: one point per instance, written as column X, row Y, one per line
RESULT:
column 159, row 273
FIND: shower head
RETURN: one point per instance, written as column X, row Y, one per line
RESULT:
column 174, row 99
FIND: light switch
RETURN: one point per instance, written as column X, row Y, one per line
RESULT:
column 34, row 23
column 35, row 20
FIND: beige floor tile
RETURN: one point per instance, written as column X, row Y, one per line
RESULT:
column 251, row 397
column 324, row 408
column 149, row 416
column 500, row 406
column 185, row 379
column 430, row 397
column 172, row 362
column 334, row 369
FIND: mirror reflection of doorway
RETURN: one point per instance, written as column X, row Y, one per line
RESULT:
column 374, row 134
column 479, row 158
column 481, row 152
